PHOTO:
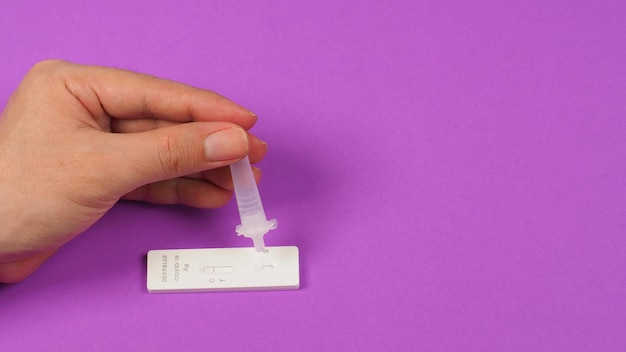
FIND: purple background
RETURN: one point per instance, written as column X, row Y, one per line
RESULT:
column 453, row 173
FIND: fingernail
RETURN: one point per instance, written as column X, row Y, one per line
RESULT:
column 248, row 111
column 258, row 173
column 231, row 143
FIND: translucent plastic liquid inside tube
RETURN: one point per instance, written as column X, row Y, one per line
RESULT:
column 254, row 223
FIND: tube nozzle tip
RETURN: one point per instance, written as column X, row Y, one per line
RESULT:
column 259, row 244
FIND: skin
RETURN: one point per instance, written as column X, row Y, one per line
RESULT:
column 76, row 139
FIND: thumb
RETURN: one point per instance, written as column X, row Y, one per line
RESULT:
column 175, row 151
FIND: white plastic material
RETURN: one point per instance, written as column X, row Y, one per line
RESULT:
column 254, row 223
column 223, row 269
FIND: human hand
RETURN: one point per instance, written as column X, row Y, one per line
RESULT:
column 75, row 139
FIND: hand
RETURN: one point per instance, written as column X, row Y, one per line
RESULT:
column 75, row 139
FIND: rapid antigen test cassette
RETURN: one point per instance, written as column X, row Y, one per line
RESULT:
column 223, row 269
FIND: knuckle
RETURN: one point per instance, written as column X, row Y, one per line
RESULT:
column 168, row 157
column 147, row 98
column 47, row 67
column 47, row 73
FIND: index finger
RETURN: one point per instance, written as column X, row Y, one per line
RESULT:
column 129, row 95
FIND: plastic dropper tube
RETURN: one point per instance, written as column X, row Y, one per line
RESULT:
column 254, row 224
